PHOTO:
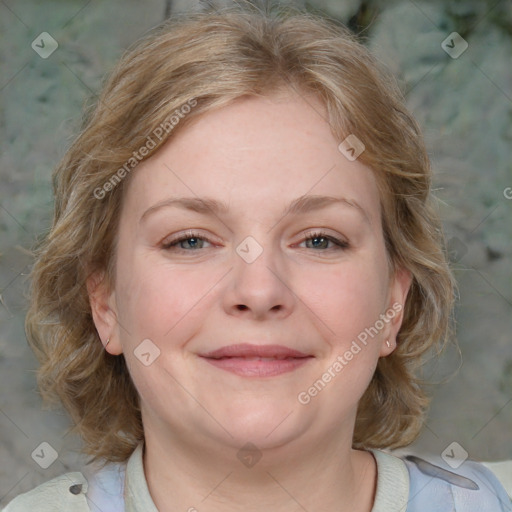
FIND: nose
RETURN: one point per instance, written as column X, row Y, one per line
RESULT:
column 258, row 287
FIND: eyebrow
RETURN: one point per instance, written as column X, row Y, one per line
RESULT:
column 301, row 205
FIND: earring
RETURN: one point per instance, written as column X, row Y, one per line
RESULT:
column 388, row 344
column 108, row 341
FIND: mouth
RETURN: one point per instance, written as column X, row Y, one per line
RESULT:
column 249, row 360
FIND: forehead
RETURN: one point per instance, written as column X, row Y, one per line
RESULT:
column 256, row 150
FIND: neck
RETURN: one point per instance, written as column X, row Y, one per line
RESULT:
column 193, row 477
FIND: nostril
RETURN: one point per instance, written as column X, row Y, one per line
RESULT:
column 241, row 307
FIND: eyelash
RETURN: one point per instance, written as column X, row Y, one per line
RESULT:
column 340, row 244
column 186, row 236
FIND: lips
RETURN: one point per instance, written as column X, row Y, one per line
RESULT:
column 257, row 360
column 255, row 351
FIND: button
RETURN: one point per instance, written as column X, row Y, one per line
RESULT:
column 75, row 489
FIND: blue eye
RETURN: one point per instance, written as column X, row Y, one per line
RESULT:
column 193, row 243
column 187, row 242
column 323, row 241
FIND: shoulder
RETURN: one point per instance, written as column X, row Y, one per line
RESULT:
column 65, row 492
column 462, row 486
column 503, row 471
column 414, row 484
column 94, row 490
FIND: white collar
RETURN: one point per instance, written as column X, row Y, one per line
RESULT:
column 392, row 484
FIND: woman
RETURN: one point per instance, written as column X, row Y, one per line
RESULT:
column 244, row 272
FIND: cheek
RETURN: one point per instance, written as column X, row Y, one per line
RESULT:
column 155, row 297
column 347, row 298
column 163, row 304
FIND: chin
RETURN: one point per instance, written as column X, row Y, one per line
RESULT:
column 264, row 428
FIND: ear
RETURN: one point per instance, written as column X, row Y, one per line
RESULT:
column 104, row 312
column 399, row 287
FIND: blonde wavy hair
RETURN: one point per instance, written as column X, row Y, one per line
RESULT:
column 215, row 57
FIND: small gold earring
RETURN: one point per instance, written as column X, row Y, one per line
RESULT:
column 108, row 341
column 387, row 343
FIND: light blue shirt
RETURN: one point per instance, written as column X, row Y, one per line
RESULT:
column 404, row 484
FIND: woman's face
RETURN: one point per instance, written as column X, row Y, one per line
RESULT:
column 251, row 229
